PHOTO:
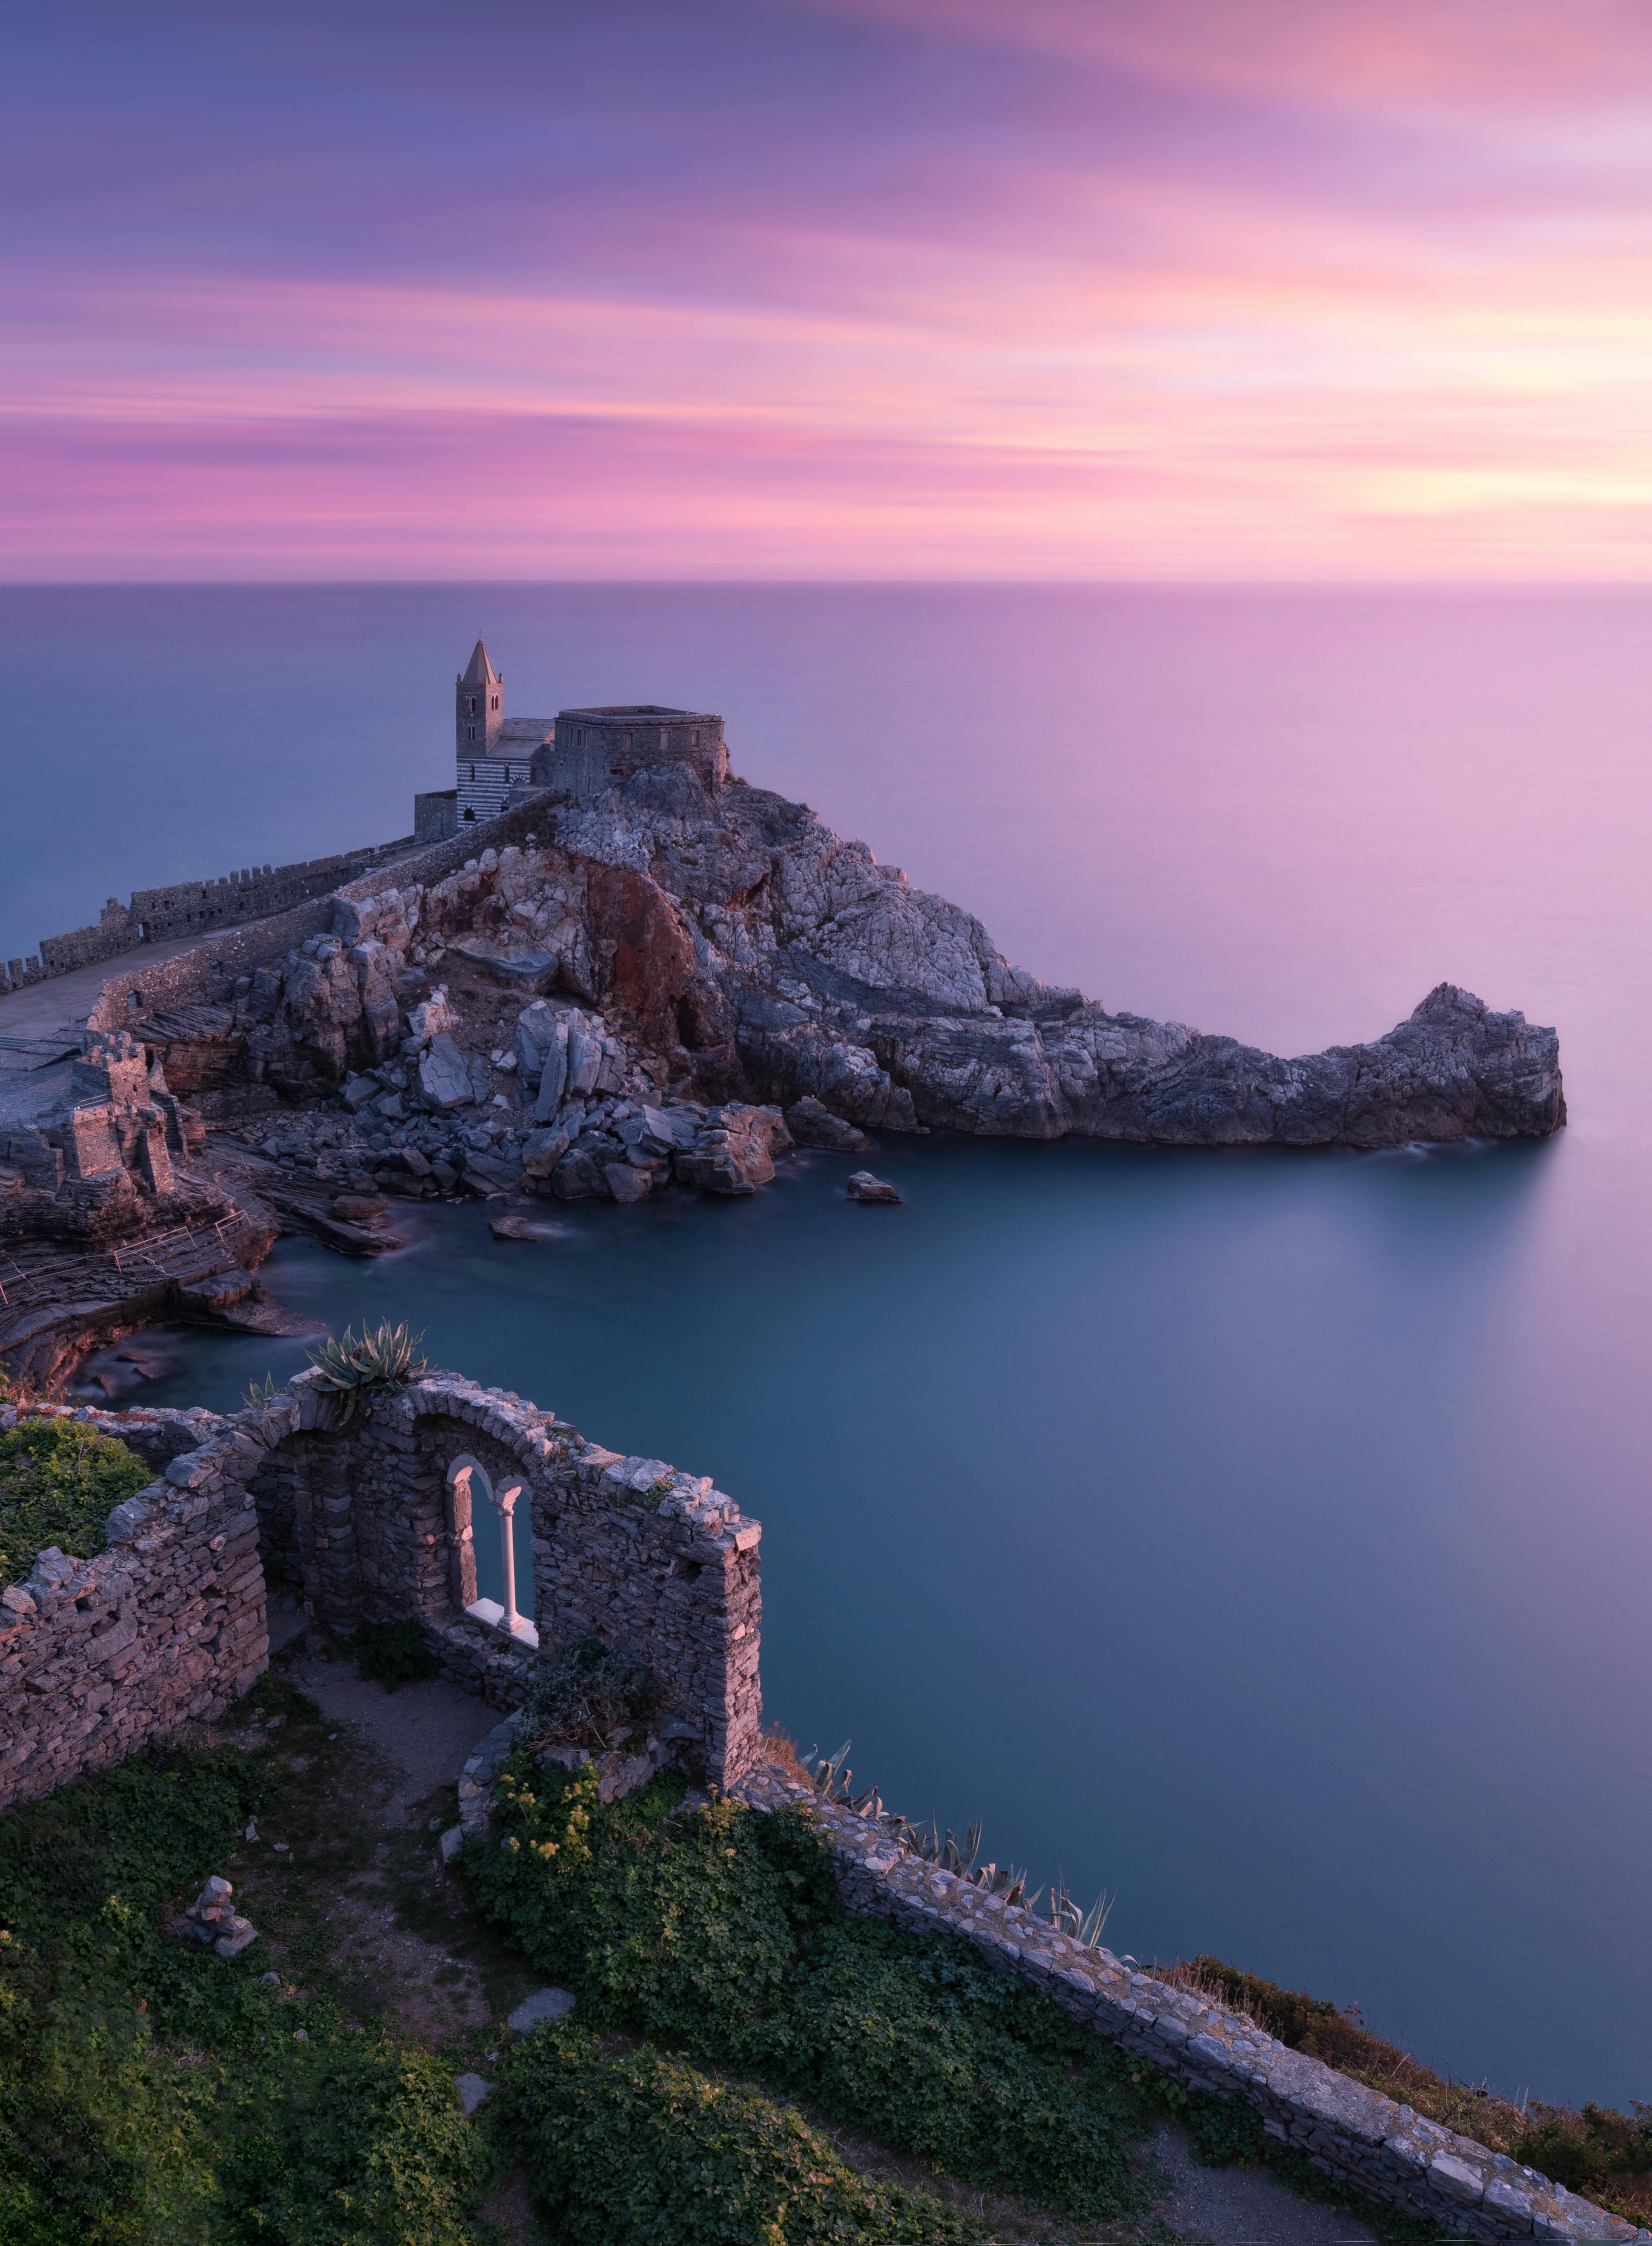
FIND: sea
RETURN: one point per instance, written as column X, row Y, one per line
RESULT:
column 1260, row 1537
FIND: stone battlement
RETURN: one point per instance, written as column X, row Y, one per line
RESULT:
column 188, row 908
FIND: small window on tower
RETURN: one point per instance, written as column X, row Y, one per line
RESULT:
column 470, row 704
column 472, row 771
column 470, row 732
column 694, row 738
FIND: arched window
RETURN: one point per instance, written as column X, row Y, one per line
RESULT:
column 471, row 1491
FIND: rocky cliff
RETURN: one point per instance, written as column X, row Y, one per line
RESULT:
column 735, row 949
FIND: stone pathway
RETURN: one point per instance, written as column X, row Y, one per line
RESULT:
column 1244, row 2206
column 424, row 1731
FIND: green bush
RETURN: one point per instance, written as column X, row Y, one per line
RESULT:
column 641, row 2150
column 915, row 2039
column 394, row 1653
column 720, row 1932
column 60, row 1480
column 149, row 2090
column 347, row 2141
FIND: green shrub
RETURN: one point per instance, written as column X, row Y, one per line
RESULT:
column 915, row 2039
column 643, row 2151
column 60, row 1480
column 684, row 1926
column 149, row 2090
column 394, row 1653
column 347, row 2140
column 720, row 1932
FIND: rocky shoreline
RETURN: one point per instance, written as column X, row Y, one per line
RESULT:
column 659, row 984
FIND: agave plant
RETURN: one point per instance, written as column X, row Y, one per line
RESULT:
column 384, row 1360
column 832, row 1779
column 258, row 1392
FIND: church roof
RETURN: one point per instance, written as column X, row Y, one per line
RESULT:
column 481, row 671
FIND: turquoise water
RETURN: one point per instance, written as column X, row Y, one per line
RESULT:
column 1264, row 1536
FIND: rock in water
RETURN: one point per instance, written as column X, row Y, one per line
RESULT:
column 522, row 1228
column 735, row 1154
column 864, row 1187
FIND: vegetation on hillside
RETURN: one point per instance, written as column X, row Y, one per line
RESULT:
column 150, row 2090
column 1603, row 2154
column 60, row 1480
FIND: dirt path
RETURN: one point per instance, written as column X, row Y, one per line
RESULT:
column 343, row 1882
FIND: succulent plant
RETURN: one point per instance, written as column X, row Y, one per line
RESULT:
column 832, row 1779
column 386, row 1359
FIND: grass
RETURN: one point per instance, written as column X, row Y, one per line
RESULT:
column 60, row 1480
column 148, row 2088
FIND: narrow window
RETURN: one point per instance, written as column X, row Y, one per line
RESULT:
column 470, row 732
column 472, row 771
column 470, row 704
column 694, row 738
column 625, row 743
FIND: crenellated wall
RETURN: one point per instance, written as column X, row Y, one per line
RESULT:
column 184, row 908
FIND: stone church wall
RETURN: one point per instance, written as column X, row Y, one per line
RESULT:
column 358, row 1518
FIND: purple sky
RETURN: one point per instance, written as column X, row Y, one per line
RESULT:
column 1208, row 289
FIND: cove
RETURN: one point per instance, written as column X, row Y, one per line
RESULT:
column 1090, row 1510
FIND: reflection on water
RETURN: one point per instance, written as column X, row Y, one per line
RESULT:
column 1265, row 1535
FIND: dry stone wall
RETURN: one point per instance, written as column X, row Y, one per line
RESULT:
column 1345, row 2129
column 165, row 1627
column 360, row 1518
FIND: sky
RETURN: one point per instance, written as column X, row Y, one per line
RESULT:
column 1155, row 290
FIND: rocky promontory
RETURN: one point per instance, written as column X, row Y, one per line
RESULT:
column 727, row 946
column 656, row 983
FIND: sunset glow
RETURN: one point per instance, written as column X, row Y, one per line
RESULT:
column 1215, row 289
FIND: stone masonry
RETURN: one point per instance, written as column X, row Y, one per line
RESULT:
column 164, row 1627
column 367, row 1519
column 1345, row 2129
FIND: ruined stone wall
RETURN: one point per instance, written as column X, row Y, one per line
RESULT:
column 1345, row 2129
column 155, row 915
column 205, row 976
column 165, row 1626
column 654, row 1562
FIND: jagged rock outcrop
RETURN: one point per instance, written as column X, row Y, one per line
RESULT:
column 732, row 947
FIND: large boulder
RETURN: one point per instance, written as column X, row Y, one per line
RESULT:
column 812, row 1125
column 576, row 1177
column 737, row 1154
column 542, row 1150
column 444, row 1075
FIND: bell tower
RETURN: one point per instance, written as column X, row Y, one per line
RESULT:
column 479, row 706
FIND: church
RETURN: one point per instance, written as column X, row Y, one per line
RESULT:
column 500, row 759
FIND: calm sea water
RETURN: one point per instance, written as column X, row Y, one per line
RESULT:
column 1263, row 1536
